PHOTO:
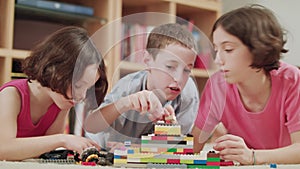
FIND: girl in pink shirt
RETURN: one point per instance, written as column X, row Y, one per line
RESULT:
column 62, row 70
column 254, row 95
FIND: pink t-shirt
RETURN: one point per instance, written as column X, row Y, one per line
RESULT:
column 270, row 128
column 25, row 126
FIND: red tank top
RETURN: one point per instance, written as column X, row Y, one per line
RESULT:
column 25, row 126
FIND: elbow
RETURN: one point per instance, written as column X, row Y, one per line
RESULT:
column 94, row 129
column 4, row 154
column 89, row 128
column 95, row 125
column 87, row 125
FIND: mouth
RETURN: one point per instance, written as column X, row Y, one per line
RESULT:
column 175, row 89
column 72, row 103
column 224, row 71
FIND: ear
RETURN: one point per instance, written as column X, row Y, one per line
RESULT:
column 148, row 58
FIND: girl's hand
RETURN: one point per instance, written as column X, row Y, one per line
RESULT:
column 77, row 143
column 234, row 148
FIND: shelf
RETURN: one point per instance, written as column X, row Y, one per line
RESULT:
column 18, row 75
column 22, row 26
column 212, row 5
column 201, row 73
column 39, row 14
column 130, row 67
column 14, row 53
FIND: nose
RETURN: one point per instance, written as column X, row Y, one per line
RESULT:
column 80, row 96
column 219, row 60
column 177, row 76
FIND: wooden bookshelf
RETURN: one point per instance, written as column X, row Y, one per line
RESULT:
column 202, row 12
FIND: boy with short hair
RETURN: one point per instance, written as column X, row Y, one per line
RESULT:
column 170, row 55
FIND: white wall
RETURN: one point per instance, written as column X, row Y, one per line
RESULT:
column 288, row 14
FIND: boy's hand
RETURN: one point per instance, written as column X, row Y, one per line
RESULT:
column 169, row 115
column 147, row 101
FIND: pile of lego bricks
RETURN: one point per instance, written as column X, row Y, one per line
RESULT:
column 131, row 157
column 166, row 148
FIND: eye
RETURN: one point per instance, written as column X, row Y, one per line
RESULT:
column 170, row 67
column 228, row 50
column 187, row 70
column 77, row 86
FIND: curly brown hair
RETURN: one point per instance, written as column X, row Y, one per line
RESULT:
column 258, row 29
column 61, row 59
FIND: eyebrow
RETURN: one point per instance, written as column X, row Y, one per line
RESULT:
column 227, row 42
column 231, row 42
column 175, row 61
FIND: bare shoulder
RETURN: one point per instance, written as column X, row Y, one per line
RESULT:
column 10, row 100
column 9, row 93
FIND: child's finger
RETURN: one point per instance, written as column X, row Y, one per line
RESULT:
column 155, row 108
column 170, row 115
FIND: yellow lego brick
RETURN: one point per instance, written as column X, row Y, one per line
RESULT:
column 120, row 161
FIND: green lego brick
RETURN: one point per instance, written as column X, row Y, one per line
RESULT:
column 172, row 150
column 203, row 167
column 145, row 141
column 213, row 159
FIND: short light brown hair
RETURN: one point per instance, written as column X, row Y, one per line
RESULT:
column 171, row 33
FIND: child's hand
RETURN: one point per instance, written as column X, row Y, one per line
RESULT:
column 233, row 148
column 146, row 101
column 169, row 115
column 112, row 146
column 77, row 143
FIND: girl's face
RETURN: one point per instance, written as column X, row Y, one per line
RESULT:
column 232, row 56
column 78, row 90
column 170, row 70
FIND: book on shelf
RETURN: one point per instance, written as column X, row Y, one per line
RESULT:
column 203, row 60
column 58, row 6
column 134, row 40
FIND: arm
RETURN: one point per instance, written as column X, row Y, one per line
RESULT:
column 200, row 138
column 286, row 155
column 291, row 153
column 143, row 101
column 234, row 148
column 101, row 118
column 12, row 148
column 197, row 145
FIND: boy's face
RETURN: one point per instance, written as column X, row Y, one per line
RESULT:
column 170, row 70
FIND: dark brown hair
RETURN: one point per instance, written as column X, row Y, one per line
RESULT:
column 167, row 34
column 258, row 29
column 52, row 62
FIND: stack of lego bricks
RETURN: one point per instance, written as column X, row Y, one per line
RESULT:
column 166, row 148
